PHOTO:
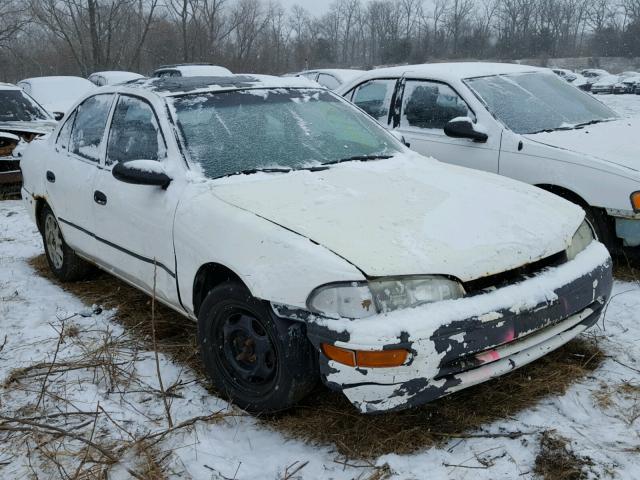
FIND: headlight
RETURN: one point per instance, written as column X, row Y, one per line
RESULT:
column 361, row 299
column 581, row 240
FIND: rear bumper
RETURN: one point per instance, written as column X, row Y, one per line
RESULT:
column 479, row 337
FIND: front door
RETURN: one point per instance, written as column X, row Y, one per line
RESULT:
column 71, row 171
column 134, row 223
column 427, row 106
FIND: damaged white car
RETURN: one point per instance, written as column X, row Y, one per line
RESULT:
column 308, row 243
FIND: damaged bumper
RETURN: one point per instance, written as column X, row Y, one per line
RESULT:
column 456, row 344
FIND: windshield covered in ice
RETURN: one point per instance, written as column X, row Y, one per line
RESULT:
column 16, row 106
column 538, row 102
column 228, row 132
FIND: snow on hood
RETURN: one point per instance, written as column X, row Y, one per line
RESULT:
column 412, row 215
column 614, row 141
column 37, row 126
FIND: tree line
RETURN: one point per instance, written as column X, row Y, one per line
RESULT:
column 45, row 37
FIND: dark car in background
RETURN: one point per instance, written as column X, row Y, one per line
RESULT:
column 21, row 120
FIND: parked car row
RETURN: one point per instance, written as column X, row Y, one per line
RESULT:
column 309, row 243
column 599, row 81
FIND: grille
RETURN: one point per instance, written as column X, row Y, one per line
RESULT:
column 513, row 276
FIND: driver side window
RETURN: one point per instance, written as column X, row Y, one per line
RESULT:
column 135, row 133
column 431, row 105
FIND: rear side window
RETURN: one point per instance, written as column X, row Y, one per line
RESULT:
column 328, row 81
column 374, row 97
column 135, row 133
column 89, row 125
column 431, row 105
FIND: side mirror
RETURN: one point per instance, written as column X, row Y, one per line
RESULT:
column 463, row 127
column 141, row 172
column 58, row 115
column 400, row 138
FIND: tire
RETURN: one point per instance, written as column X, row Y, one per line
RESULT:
column 262, row 363
column 603, row 226
column 62, row 260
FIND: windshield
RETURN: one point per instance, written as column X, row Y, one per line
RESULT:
column 537, row 102
column 229, row 132
column 16, row 106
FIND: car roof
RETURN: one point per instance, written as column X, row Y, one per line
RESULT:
column 451, row 71
column 172, row 86
column 54, row 79
column 195, row 69
column 8, row 86
column 117, row 74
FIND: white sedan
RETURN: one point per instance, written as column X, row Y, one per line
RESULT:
column 56, row 94
column 308, row 243
column 112, row 77
column 522, row 122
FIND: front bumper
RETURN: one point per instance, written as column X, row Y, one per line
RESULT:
column 460, row 343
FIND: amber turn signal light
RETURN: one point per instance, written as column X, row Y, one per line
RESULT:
column 635, row 201
column 365, row 358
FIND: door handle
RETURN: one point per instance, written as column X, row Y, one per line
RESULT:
column 51, row 178
column 99, row 197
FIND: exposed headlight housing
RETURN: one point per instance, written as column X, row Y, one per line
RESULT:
column 364, row 299
column 581, row 240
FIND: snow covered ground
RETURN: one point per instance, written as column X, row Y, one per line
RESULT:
column 70, row 366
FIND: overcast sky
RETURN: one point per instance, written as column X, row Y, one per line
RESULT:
column 313, row 6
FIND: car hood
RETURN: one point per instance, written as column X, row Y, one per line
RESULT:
column 411, row 215
column 40, row 127
column 615, row 142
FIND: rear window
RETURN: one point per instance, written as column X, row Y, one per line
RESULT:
column 16, row 106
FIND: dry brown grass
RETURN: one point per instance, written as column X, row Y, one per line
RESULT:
column 326, row 417
column 556, row 462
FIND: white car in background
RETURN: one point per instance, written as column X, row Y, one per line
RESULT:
column 307, row 242
column 56, row 94
column 575, row 79
column 112, row 77
column 605, row 84
column 519, row 121
column 331, row 78
column 191, row 70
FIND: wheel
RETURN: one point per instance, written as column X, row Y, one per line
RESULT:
column 603, row 225
column 259, row 361
column 63, row 261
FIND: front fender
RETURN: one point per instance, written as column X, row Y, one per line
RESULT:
column 276, row 264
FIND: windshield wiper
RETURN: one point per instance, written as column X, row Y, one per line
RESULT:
column 359, row 158
column 251, row 171
column 571, row 127
column 591, row 122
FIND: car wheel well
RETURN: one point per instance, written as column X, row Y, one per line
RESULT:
column 209, row 276
column 566, row 194
column 40, row 203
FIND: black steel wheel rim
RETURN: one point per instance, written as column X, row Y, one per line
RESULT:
column 246, row 350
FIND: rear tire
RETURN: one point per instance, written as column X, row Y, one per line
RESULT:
column 260, row 362
column 62, row 260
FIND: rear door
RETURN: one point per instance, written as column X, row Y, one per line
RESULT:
column 134, row 223
column 71, row 171
column 426, row 107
